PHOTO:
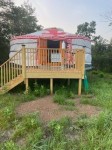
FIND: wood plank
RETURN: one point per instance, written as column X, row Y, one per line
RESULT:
column 80, row 86
column 55, row 74
column 51, row 86
column 26, row 84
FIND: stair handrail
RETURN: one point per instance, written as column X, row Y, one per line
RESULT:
column 11, row 68
column 11, row 58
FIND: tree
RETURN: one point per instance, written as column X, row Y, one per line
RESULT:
column 4, row 30
column 111, row 41
column 108, row 18
column 87, row 29
column 15, row 20
column 102, row 55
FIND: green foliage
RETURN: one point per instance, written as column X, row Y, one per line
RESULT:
column 29, row 96
column 87, row 29
column 83, row 133
column 95, row 72
column 69, row 107
column 7, row 114
column 10, row 145
column 26, row 124
column 101, row 75
column 40, row 90
column 34, row 138
column 71, row 95
column 98, row 132
column 15, row 20
column 60, row 99
column 62, row 96
column 101, row 91
column 101, row 55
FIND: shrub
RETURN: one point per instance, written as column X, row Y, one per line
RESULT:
column 95, row 72
column 101, row 75
column 26, row 124
column 71, row 94
column 35, row 138
column 60, row 99
column 10, row 145
column 40, row 90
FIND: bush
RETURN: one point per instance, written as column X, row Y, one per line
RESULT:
column 95, row 72
column 10, row 145
column 60, row 99
column 40, row 90
column 26, row 124
column 71, row 95
column 101, row 75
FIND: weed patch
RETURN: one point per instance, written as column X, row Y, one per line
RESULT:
column 63, row 97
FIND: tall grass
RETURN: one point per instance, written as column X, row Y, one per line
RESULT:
column 96, row 132
column 101, row 90
column 82, row 134
column 64, row 97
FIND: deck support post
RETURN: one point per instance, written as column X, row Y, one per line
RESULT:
column 26, row 84
column 51, row 86
column 79, row 87
column 68, row 82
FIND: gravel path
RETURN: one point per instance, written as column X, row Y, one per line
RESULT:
column 48, row 110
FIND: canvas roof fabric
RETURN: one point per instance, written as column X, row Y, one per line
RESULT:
column 52, row 34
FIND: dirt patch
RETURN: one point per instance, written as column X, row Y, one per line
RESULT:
column 48, row 110
column 5, row 135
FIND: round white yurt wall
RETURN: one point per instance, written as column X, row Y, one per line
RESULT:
column 31, row 41
column 86, row 44
column 16, row 45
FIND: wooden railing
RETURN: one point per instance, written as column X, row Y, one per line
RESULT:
column 54, row 59
column 43, row 59
column 11, row 69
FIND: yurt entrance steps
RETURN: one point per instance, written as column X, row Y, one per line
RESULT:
column 11, row 73
column 11, row 84
column 42, row 63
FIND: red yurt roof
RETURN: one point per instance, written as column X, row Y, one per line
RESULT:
column 51, row 34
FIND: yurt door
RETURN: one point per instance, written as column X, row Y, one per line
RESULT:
column 42, row 53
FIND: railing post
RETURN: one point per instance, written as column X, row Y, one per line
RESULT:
column 23, row 61
column 80, row 60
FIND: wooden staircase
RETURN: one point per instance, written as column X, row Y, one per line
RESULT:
column 11, row 73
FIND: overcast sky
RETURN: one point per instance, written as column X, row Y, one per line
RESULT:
column 67, row 14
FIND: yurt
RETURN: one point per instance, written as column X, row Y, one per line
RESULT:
column 52, row 38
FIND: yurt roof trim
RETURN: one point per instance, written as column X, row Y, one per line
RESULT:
column 52, row 34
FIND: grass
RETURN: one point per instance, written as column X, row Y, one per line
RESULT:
column 64, row 97
column 101, row 90
column 98, row 132
column 81, row 134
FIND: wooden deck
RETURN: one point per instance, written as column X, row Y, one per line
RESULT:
column 43, row 63
column 61, row 74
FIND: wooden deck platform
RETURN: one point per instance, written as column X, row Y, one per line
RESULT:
column 59, row 74
column 42, row 63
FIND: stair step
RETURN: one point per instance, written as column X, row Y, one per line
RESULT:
column 8, row 86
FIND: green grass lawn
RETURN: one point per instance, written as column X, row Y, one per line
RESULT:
column 29, row 133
